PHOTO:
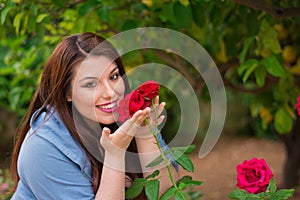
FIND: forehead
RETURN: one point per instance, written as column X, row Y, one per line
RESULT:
column 95, row 66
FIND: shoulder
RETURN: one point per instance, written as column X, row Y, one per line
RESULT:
column 52, row 163
column 48, row 173
column 49, row 140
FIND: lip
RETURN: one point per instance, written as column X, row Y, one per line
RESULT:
column 107, row 107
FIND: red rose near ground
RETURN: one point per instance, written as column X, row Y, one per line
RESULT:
column 253, row 175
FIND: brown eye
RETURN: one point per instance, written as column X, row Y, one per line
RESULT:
column 114, row 76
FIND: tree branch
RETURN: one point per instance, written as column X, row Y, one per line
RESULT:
column 275, row 11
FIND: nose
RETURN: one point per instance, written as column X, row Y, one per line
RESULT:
column 106, row 91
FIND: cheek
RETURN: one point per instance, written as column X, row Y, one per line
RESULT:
column 119, row 88
column 84, row 103
column 83, row 98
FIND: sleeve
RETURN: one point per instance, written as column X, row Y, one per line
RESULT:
column 50, row 174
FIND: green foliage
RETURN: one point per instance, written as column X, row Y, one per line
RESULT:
column 270, row 194
column 152, row 189
column 136, row 188
column 230, row 32
column 180, row 156
column 179, row 191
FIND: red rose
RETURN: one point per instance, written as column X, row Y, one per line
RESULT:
column 123, row 108
column 253, row 175
column 149, row 90
column 137, row 100
column 129, row 105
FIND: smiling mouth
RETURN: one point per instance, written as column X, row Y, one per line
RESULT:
column 108, row 108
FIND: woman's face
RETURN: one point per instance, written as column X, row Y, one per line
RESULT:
column 97, row 88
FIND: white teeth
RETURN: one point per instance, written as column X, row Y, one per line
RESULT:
column 109, row 106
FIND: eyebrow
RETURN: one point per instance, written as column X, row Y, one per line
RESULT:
column 96, row 78
column 114, row 69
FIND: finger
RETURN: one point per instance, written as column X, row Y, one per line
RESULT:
column 161, row 108
column 160, row 119
column 106, row 132
column 156, row 100
column 139, row 117
column 136, row 116
column 145, row 114
column 104, row 140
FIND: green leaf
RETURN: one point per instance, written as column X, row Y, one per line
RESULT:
column 260, row 75
column 59, row 3
column 152, row 189
column 269, row 37
column 194, row 183
column 155, row 162
column 282, row 121
column 285, row 193
column 273, row 66
column 183, row 14
column 247, row 68
column 272, row 186
column 87, row 7
column 188, row 181
column 184, row 161
column 252, row 23
column 7, row 70
column 198, row 10
column 167, row 14
column 180, row 195
column 168, row 194
column 103, row 13
column 130, row 24
column 238, row 194
column 184, row 2
column 4, row 13
column 153, row 175
column 244, row 66
column 17, row 21
column 41, row 17
column 245, row 49
column 14, row 97
column 186, row 150
column 136, row 188
column 182, row 186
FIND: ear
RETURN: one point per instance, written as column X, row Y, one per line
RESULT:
column 69, row 98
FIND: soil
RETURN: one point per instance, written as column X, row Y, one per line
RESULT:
column 217, row 169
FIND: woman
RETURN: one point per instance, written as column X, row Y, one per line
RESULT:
column 58, row 153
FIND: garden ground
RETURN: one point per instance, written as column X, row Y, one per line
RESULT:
column 217, row 169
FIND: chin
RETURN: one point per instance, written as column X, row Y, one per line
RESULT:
column 107, row 121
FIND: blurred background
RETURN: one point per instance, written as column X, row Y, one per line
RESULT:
column 254, row 43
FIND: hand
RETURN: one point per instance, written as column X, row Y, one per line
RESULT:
column 159, row 109
column 141, row 130
column 136, row 126
column 118, row 141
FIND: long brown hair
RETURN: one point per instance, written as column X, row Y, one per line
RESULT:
column 55, row 86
